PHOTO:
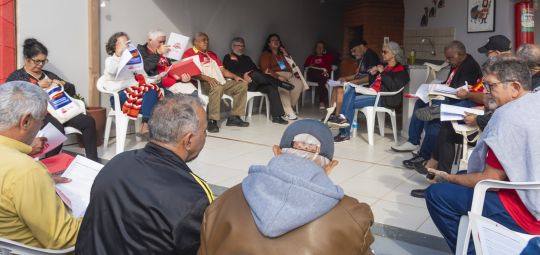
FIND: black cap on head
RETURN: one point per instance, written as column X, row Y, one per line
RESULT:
column 357, row 41
column 498, row 43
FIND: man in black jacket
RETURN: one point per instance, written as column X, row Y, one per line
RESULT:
column 463, row 69
column 148, row 201
column 242, row 65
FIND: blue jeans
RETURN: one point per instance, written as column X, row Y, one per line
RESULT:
column 351, row 102
column 431, row 128
column 447, row 202
column 150, row 98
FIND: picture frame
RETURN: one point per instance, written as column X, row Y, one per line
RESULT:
column 480, row 16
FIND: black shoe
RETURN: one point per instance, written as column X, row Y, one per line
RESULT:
column 286, row 85
column 236, row 121
column 411, row 162
column 279, row 120
column 419, row 193
column 428, row 113
column 212, row 126
column 420, row 168
column 340, row 138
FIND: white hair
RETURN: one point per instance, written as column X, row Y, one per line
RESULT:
column 155, row 33
column 18, row 98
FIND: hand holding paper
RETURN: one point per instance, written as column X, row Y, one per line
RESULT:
column 53, row 136
column 452, row 112
column 178, row 44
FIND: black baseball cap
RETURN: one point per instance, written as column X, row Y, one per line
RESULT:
column 498, row 43
column 356, row 41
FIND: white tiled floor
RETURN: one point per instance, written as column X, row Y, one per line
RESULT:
column 372, row 174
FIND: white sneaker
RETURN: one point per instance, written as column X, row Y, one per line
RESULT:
column 291, row 116
column 405, row 147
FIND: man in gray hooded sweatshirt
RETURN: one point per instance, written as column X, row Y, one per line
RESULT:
column 289, row 206
column 508, row 150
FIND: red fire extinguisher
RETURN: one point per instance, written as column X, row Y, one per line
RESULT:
column 524, row 22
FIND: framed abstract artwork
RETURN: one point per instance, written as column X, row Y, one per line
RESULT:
column 480, row 16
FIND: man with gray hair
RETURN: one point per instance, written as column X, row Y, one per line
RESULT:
column 289, row 206
column 530, row 53
column 153, row 52
column 507, row 150
column 30, row 211
column 148, row 201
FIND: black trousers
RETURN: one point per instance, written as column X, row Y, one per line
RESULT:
column 445, row 149
column 86, row 124
column 268, row 85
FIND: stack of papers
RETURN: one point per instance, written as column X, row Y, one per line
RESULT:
column 451, row 112
column 333, row 83
column 76, row 194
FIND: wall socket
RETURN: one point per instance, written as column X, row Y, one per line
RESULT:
column 386, row 40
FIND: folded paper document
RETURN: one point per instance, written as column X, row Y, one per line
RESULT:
column 426, row 90
column 76, row 194
column 495, row 238
column 178, row 44
column 452, row 112
column 54, row 138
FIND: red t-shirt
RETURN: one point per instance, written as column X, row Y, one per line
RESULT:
column 512, row 203
column 324, row 61
column 203, row 56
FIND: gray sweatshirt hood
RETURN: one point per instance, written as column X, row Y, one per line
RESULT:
column 288, row 193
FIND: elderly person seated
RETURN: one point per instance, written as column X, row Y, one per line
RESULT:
column 156, row 64
column 242, row 65
column 214, row 84
column 389, row 78
column 289, row 206
column 148, row 201
column 35, row 58
column 136, row 95
column 273, row 62
column 320, row 67
column 367, row 59
column 30, row 211
column 507, row 150
column 530, row 53
column 464, row 69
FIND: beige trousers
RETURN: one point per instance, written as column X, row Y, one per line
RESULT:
column 236, row 89
column 289, row 99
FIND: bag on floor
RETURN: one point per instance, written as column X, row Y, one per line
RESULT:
column 61, row 106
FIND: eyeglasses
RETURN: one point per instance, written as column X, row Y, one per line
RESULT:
column 384, row 52
column 39, row 62
column 239, row 45
column 489, row 86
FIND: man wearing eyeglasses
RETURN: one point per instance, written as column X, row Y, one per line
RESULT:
column 507, row 150
column 242, row 65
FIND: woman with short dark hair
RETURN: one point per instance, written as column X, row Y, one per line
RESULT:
column 35, row 57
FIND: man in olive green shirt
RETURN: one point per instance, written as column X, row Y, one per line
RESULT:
column 30, row 211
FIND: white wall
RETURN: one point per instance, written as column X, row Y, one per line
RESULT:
column 454, row 14
column 300, row 23
column 62, row 26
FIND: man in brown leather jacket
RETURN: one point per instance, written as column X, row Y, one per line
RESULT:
column 289, row 206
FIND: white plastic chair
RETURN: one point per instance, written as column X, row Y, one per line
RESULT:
column 312, row 85
column 8, row 247
column 250, row 96
column 121, row 121
column 370, row 111
column 464, row 232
